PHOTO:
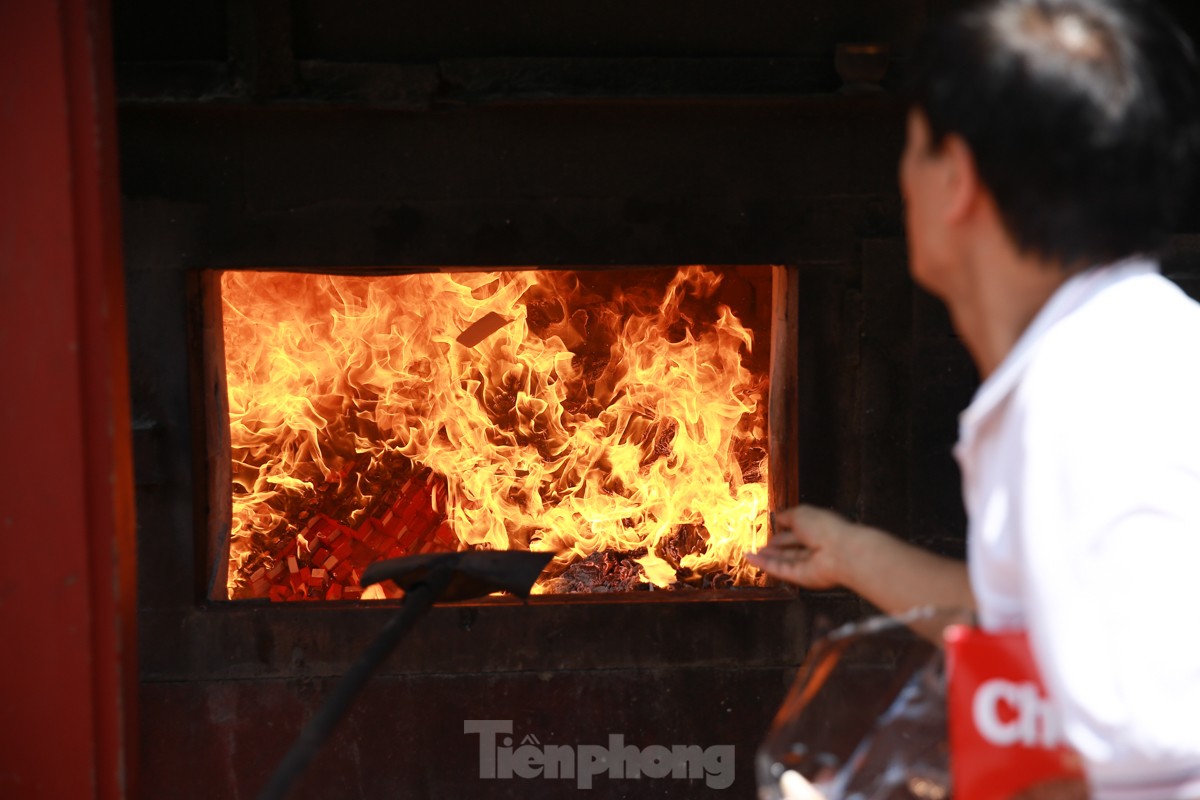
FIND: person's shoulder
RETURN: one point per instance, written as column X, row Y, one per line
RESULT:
column 1143, row 326
column 1132, row 352
column 1149, row 298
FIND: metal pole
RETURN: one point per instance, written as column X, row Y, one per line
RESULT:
column 416, row 602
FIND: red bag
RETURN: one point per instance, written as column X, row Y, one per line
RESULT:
column 1005, row 736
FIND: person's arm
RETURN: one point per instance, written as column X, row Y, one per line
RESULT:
column 818, row 549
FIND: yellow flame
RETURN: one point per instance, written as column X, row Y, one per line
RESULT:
column 582, row 424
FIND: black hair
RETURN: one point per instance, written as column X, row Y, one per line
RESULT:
column 1083, row 117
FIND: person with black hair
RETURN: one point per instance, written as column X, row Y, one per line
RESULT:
column 1052, row 147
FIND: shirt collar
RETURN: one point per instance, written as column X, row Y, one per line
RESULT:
column 1069, row 297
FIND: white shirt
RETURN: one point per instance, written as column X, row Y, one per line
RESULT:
column 1080, row 457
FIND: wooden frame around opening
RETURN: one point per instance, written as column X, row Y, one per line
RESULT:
column 213, row 519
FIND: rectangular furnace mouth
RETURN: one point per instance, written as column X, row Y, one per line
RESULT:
column 617, row 417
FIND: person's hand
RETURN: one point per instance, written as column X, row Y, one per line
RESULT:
column 807, row 547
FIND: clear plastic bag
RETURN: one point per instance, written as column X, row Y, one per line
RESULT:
column 866, row 716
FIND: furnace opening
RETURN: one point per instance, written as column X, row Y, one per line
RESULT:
column 615, row 417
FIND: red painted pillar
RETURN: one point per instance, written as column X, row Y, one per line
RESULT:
column 68, row 664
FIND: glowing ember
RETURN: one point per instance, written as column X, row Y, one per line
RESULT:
column 621, row 425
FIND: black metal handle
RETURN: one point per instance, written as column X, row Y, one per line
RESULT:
column 417, row 601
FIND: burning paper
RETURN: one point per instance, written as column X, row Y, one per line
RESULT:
column 621, row 424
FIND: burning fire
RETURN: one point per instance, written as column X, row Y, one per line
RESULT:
column 372, row 417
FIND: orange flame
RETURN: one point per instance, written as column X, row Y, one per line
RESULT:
column 577, row 423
